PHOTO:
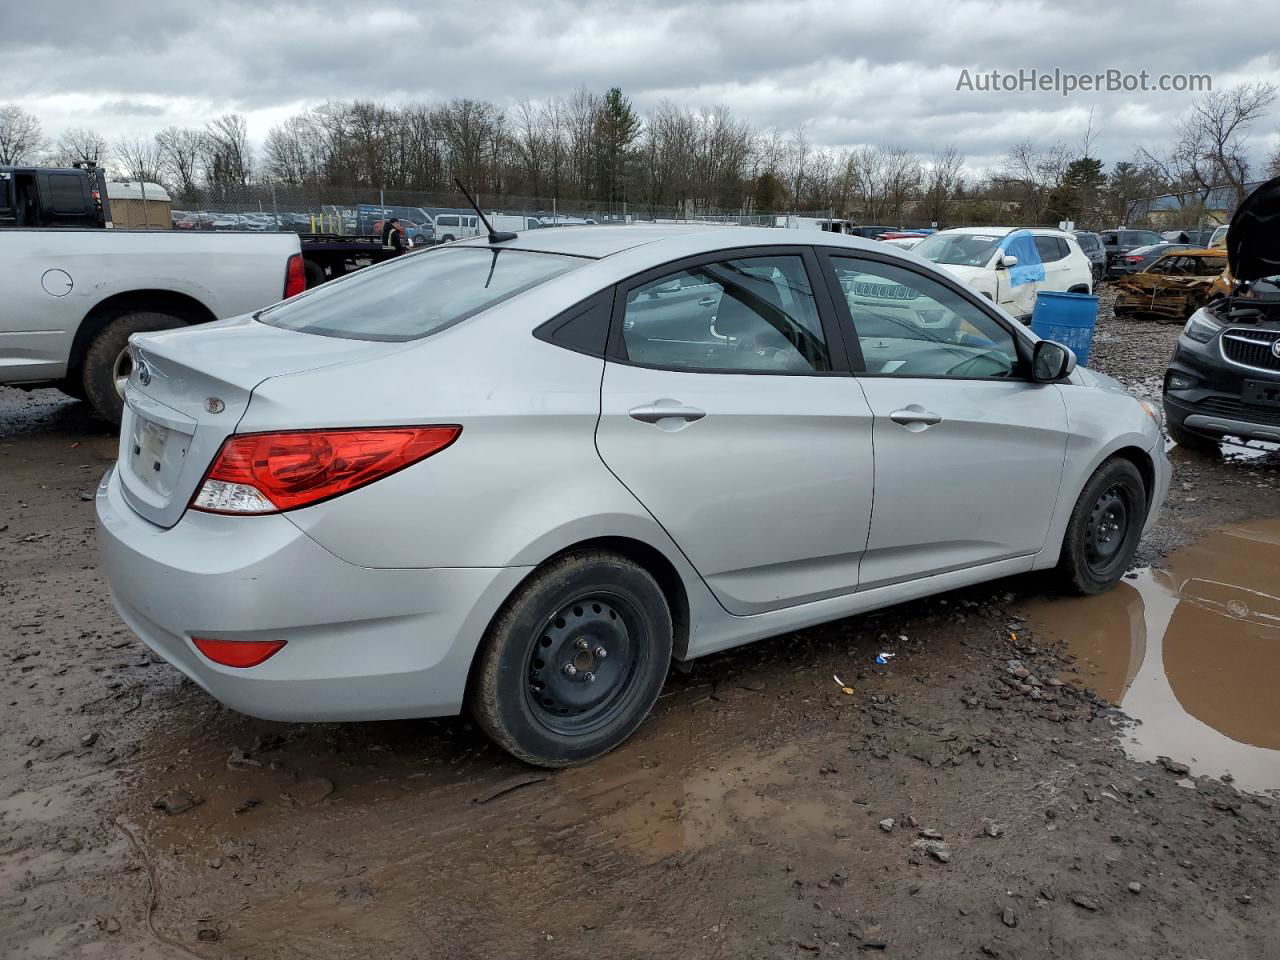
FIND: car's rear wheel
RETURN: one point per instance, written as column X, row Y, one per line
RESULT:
column 107, row 363
column 1104, row 529
column 574, row 661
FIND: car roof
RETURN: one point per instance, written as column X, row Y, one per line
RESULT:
column 1003, row 231
column 691, row 238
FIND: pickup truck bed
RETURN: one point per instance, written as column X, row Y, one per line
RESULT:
column 70, row 298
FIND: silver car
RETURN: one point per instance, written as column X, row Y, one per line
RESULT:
column 521, row 476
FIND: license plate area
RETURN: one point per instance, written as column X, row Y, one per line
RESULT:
column 1262, row 393
column 156, row 454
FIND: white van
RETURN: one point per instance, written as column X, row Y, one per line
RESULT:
column 513, row 221
column 456, row 226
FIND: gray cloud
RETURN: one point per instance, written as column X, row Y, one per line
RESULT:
column 851, row 73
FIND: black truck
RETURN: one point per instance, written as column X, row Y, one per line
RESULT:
column 54, row 197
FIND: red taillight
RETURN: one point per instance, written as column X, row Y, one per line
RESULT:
column 238, row 653
column 1133, row 259
column 269, row 472
column 295, row 276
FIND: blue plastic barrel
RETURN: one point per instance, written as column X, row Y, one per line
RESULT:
column 1069, row 318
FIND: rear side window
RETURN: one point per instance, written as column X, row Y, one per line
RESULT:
column 66, row 193
column 749, row 315
column 446, row 221
column 417, row 295
column 1050, row 248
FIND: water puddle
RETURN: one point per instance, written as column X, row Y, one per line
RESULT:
column 1192, row 651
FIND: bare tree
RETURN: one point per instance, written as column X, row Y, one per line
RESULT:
column 228, row 157
column 1273, row 163
column 20, row 137
column 1219, row 122
column 943, row 179
column 181, row 150
column 139, row 159
column 797, row 161
column 81, row 145
column 1032, row 174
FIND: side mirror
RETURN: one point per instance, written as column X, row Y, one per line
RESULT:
column 1051, row 361
column 1008, row 260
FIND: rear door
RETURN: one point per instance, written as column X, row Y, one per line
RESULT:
column 1057, row 267
column 728, row 411
column 968, row 453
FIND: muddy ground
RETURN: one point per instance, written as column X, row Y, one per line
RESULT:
column 760, row 812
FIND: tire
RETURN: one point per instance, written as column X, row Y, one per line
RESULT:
column 1105, row 527
column 540, row 688
column 72, row 387
column 1191, row 441
column 105, row 359
column 314, row 273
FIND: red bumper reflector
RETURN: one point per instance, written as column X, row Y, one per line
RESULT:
column 238, row 653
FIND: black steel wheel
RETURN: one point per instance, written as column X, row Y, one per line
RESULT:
column 1105, row 527
column 1105, row 532
column 583, row 664
column 574, row 661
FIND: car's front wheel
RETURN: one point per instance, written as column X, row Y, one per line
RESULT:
column 574, row 661
column 1104, row 529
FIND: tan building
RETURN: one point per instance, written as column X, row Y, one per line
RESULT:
column 139, row 206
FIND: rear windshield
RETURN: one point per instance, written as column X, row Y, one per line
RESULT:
column 418, row 294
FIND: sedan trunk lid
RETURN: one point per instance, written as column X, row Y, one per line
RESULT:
column 189, row 389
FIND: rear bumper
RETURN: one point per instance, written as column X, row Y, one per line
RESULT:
column 361, row 643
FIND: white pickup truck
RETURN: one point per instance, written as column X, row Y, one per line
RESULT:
column 71, row 298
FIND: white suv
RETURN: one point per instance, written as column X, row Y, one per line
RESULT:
column 1009, row 265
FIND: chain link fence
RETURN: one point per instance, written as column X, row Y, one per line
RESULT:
column 433, row 216
column 349, row 211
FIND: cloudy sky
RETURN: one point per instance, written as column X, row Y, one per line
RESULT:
column 850, row 72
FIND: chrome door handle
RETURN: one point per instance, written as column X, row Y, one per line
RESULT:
column 653, row 412
column 915, row 414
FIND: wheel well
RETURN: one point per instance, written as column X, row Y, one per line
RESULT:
column 178, row 305
column 1079, row 288
column 1140, row 459
column 663, row 571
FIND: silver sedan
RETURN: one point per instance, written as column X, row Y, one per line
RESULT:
column 520, row 477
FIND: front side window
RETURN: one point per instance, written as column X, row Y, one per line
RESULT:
column 909, row 325
column 754, row 314
column 415, row 296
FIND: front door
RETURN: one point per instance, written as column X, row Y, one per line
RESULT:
column 969, row 454
column 724, row 411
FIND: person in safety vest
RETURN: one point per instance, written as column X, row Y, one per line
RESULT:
column 393, row 237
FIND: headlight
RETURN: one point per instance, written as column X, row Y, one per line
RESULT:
column 1202, row 327
column 1153, row 411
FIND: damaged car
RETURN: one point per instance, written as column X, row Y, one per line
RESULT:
column 1174, row 286
column 1224, row 378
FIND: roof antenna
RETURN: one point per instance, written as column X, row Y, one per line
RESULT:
column 494, row 235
